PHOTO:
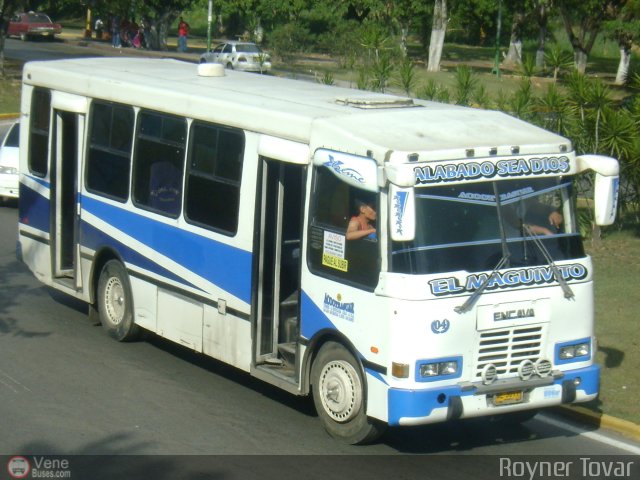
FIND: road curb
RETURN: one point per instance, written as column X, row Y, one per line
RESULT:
column 8, row 116
column 589, row 417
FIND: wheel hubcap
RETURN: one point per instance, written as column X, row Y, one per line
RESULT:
column 340, row 390
column 114, row 300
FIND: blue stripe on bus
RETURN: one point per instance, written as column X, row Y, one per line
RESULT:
column 411, row 403
column 35, row 209
column 223, row 265
column 95, row 239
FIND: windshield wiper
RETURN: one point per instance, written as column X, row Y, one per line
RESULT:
column 466, row 306
column 568, row 293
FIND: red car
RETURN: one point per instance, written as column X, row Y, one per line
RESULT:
column 25, row 25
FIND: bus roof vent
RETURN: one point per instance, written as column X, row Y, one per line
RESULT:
column 211, row 70
column 376, row 102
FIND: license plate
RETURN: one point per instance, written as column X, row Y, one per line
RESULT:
column 508, row 398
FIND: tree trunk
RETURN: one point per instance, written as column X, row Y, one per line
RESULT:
column 543, row 19
column 404, row 30
column 580, row 59
column 623, row 66
column 514, row 56
column 4, row 27
column 159, row 29
column 2, row 54
column 438, row 32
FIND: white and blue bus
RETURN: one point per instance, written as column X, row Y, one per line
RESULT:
column 215, row 208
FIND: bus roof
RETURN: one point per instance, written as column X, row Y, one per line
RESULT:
column 331, row 117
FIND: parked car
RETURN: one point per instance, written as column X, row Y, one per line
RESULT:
column 244, row 56
column 31, row 25
column 9, row 180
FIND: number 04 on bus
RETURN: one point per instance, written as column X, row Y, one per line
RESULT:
column 402, row 261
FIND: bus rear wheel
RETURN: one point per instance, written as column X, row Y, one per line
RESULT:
column 115, row 302
column 338, row 395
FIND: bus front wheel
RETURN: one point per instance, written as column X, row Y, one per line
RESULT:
column 338, row 395
column 115, row 302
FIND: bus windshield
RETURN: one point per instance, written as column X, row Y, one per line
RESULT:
column 472, row 227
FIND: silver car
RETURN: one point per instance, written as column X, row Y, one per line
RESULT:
column 9, row 163
column 243, row 56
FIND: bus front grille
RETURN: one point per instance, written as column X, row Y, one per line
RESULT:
column 507, row 348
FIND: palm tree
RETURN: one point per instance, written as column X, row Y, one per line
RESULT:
column 557, row 59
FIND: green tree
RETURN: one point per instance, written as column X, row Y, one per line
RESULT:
column 557, row 59
column 624, row 28
column 7, row 9
column 583, row 20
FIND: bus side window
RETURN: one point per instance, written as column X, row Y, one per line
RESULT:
column 109, row 157
column 39, row 131
column 334, row 206
column 159, row 162
column 213, row 178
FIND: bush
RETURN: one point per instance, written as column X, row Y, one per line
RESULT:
column 289, row 39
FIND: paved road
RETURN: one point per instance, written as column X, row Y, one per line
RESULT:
column 42, row 50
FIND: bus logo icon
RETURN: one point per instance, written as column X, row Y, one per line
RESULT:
column 440, row 326
column 18, row 467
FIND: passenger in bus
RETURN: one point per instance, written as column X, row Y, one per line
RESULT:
column 362, row 225
column 540, row 220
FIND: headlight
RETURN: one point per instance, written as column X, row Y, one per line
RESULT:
column 432, row 370
column 575, row 351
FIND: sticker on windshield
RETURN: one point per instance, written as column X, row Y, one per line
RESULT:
column 513, row 167
column 333, row 251
column 491, row 199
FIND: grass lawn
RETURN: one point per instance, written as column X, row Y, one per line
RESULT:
column 617, row 290
column 10, row 87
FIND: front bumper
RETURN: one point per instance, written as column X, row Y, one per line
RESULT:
column 418, row 407
column 252, row 67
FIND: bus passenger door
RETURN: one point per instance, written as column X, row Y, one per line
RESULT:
column 66, row 148
column 278, row 279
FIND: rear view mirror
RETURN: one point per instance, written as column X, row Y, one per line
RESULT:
column 402, row 218
column 605, row 196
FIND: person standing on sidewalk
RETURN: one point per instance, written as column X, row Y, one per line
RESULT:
column 183, row 31
column 115, row 31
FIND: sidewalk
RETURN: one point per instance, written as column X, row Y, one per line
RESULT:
column 600, row 420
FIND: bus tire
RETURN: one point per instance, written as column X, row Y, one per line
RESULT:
column 115, row 302
column 338, row 395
